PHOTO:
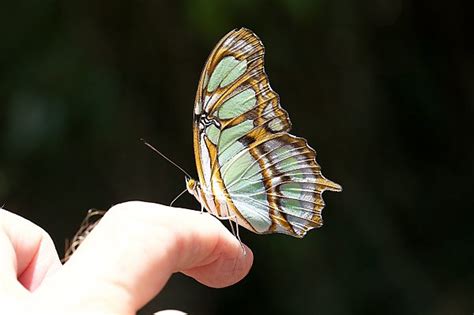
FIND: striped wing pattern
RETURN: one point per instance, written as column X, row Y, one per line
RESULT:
column 249, row 166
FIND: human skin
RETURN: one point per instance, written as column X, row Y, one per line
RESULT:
column 122, row 264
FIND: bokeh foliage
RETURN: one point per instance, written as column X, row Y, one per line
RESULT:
column 382, row 89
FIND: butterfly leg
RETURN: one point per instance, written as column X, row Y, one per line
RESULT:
column 244, row 252
column 235, row 231
column 232, row 226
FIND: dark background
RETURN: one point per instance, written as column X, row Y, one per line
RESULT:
column 384, row 90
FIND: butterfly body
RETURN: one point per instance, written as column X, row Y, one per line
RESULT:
column 250, row 168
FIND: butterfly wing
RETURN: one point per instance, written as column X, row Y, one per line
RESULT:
column 249, row 165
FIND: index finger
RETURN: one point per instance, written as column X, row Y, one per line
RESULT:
column 135, row 248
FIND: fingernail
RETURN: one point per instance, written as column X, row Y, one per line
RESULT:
column 170, row 312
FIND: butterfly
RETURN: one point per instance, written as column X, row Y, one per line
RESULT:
column 251, row 170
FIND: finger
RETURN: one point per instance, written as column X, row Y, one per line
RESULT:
column 135, row 248
column 170, row 312
column 28, row 253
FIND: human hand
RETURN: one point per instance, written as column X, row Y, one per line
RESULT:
column 122, row 264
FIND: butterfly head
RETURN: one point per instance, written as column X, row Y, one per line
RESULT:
column 191, row 185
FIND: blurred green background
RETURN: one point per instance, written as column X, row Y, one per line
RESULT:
column 384, row 90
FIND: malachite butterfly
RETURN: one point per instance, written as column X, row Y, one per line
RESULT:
column 251, row 170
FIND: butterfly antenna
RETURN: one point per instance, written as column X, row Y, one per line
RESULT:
column 177, row 197
column 166, row 158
